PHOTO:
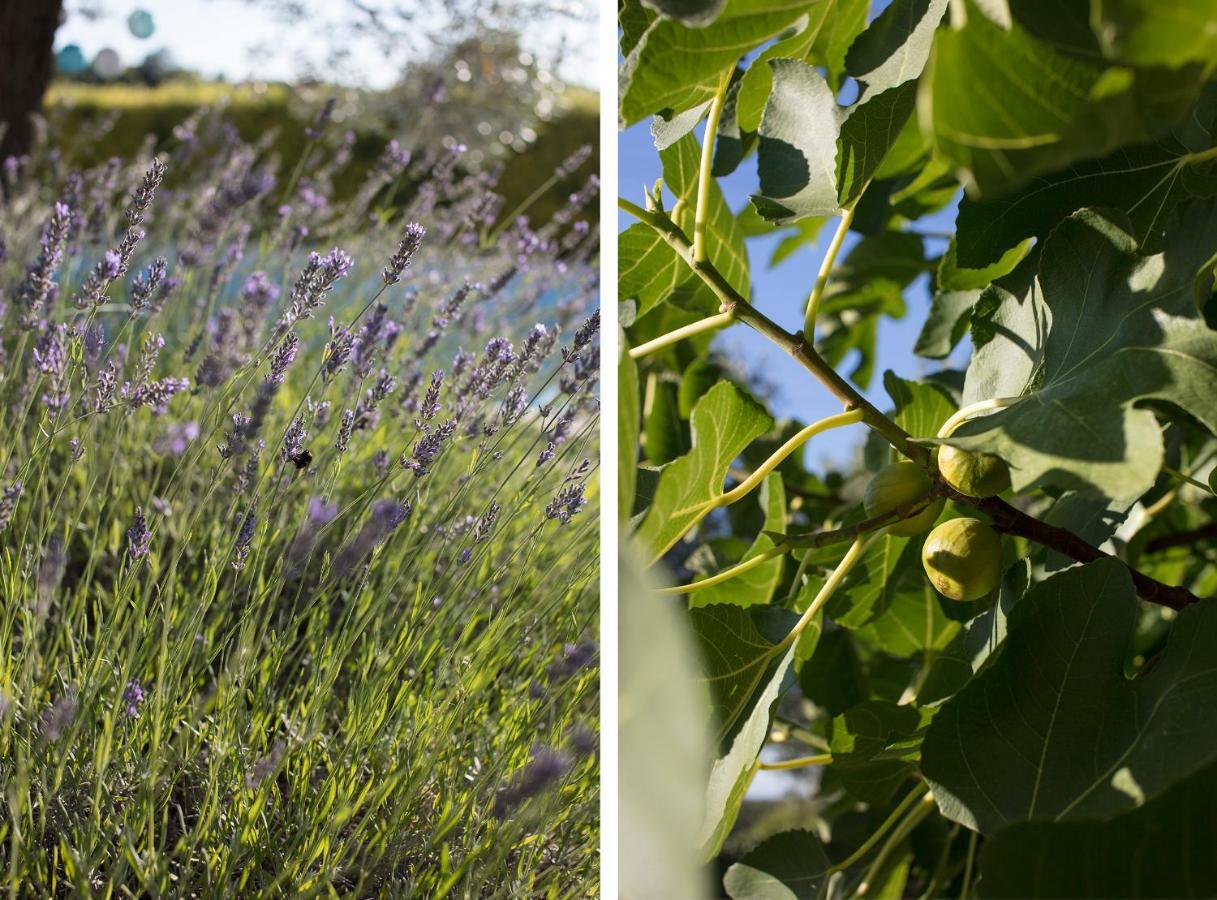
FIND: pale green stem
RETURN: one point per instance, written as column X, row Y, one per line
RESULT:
column 915, row 795
column 852, row 555
column 710, row 323
column 779, row 456
column 753, row 481
column 967, row 869
column 1175, row 473
column 522, row 207
column 1200, row 157
column 726, row 574
column 830, row 257
column 634, row 210
column 702, row 213
column 949, row 426
column 822, row 759
column 922, row 810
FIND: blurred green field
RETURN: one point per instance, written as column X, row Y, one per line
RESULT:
column 278, row 110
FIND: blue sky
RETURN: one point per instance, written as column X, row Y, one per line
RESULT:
column 244, row 40
column 780, row 293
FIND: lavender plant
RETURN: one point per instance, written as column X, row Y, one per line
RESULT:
column 298, row 530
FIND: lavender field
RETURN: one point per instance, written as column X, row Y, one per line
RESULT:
column 298, row 531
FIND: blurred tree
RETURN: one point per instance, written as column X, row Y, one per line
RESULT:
column 27, row 35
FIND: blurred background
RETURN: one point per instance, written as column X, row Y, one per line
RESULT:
column 513, row 80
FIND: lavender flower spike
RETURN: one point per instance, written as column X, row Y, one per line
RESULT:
column 406, row 248
column 133, row 696
column 8, row 500
column 138, row 535
column 40, row 277
column 245, row 537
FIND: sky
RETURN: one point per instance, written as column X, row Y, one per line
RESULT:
column 780, row 293
column 243, row 40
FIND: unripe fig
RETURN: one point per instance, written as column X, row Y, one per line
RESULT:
column 896, row 485
column 974, row 474
column 962, row 558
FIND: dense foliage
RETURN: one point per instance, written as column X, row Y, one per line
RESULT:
column 1024, row 702
column 295, row 606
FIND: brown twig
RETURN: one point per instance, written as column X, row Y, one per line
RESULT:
column 1182, row 538
column 1005, row 517
column 848, row 533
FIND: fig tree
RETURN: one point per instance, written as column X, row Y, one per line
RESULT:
column 974, row 474
column 896, row 485
column 962, row 558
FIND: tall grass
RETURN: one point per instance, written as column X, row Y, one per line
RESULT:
column 299, row 544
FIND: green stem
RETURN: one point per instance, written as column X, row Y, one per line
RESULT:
column 522, row 207
column 914, row 796
column 725, row 574
column 923, row 809
column 710, row 323
column 704, row 178
column 830, row 257
column 967, row 869
column 754, row 480
column 1203, row 156
column 1175, row 473
column 949, row 426
column 822, row 759
column 852, row 555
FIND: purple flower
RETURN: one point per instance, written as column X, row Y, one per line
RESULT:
column 8, row 501
column 336, row 264
column 337, row 350
column 133, row 696
column 40, row 277
column 322, row 119
column 544, row 767
column 583, row 336
column 431, row 404
column 545, row 455
column 344, row 431
column 259, row 289
column 145, row 285
column 111, row 265
column 266, row 765
column 386, row 516
column 485, row 523
column 284, row 354
column 319, row 515
column 566, row 504
column 245, row 537
column 293, row 440
column 177, row 438
column 138, row 535
column 406, row 248
column 427, row 448
column 142, row 198
column 572, row 163
column 57, row 717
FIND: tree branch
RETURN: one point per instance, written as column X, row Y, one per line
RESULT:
column 1182, row 538
column 1016, row 522
column 1005, row 517
column 841, row 535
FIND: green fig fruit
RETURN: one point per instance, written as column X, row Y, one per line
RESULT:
column 962, row 558
column 974, row 474
column 896, row 485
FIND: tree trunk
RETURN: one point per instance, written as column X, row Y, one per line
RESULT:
column 27, row 35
